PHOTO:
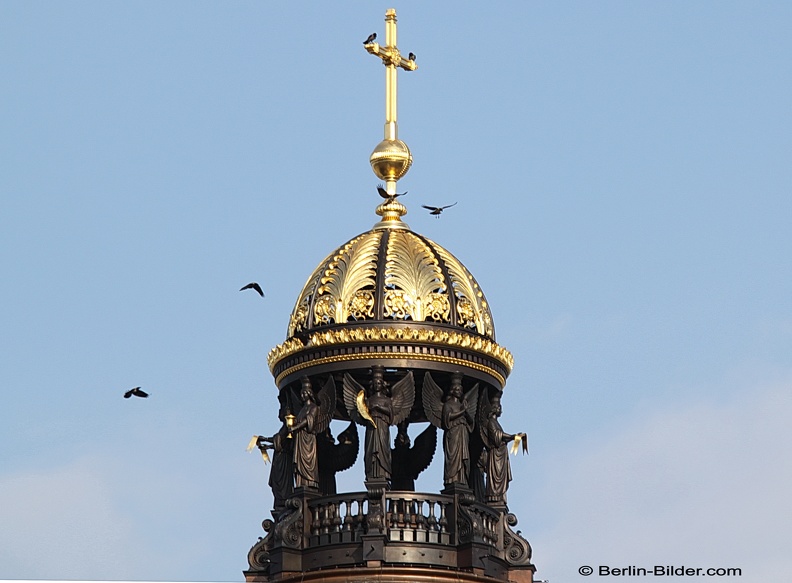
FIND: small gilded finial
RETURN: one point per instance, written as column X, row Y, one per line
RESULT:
column 391, row 158
column 391, row 210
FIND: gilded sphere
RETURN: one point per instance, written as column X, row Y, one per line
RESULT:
column 391, row 159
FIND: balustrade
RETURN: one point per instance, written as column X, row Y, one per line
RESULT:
column 490, row 524
column 409, row 527
column 336, row 519
column 408, row 517
column 412, row 517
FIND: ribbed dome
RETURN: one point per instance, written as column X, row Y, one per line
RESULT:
column 391, row 295
column 391, row 275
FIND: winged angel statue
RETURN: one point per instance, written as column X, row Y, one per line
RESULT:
column 456, row 416
column 495, row 439
column 378, row 409
column 409, row 462
column 335, row 457
column 314, row 418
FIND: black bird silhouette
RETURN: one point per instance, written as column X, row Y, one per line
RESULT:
column 384, row 193
column 437, row 210
column 371, row 38
column 136, row 392
column 254, row 286
column 412, row 56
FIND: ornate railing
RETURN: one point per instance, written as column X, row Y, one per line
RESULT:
column 409, row 517
column 337, row 519
column 390, row 526
column 420, row 518
column 479, row 523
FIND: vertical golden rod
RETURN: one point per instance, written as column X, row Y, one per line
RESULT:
column 391, row 130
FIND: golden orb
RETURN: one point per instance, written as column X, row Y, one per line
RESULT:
column 391, row 159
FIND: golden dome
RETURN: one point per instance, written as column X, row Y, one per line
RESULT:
column 390, row 285
column 420, row 282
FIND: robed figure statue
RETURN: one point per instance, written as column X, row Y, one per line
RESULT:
column 281, row 479
column 495, row 439
column 456, row 416
column 378, row 409
column 313, row 418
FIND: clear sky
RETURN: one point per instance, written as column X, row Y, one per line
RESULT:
column 623, row 177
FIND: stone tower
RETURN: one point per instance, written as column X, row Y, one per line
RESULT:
column 391, row 333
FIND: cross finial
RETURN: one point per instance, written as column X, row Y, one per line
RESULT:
column 391, row 158
column 392, row 59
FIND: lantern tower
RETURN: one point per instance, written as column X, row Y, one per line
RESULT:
column 391, row 334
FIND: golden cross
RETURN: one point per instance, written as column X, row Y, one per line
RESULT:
column 392, row 59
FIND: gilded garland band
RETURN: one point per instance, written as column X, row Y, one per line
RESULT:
column 382, row 334
column 385, row 355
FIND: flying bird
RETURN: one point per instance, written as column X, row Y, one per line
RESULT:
column 412, row 57
column 254, row 286
column 136, row 392
column 371, row 38
column 437, row 210
column 390, row 197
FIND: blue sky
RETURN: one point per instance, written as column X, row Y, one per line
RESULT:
column 623, row 179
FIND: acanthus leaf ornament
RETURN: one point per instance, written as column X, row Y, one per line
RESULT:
column 347, row 277
column 413, row 278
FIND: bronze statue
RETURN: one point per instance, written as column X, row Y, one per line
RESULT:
column 495, row 439
column 408, row 462
column 313, row 418
column 456, row 417
column 336, row 457
column 281, row 479
column 377, row 410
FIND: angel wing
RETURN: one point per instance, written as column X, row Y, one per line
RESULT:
column 472, row 402
column 327, row 401
column 433, row 401
column 352, row 390
column 482, row 418
column 403, row 397
column 287, row 400
column 346, row 452
column 423, row 450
